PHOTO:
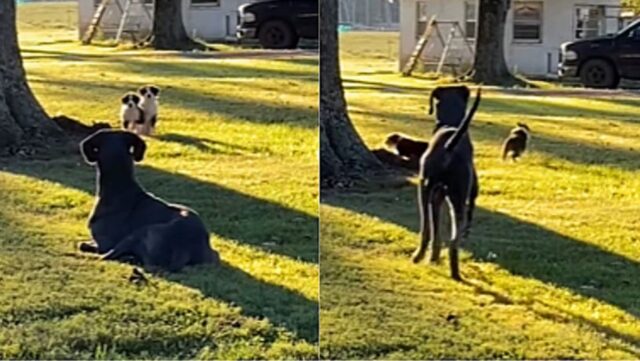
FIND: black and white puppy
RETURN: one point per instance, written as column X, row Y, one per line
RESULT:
column 447, row 173
column 129, row 222
column 131, row 114
column 150, row 105
column 516, row 142
column 405, row 146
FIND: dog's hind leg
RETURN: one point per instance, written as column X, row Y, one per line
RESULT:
column 473, row 195
column 458, row 197
column 438, row 203
column 131, row 245
column 427, row 228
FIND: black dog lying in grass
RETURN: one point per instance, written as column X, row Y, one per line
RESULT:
column 129, row 222
column 447, row 172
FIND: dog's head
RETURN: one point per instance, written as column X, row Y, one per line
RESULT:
column 392, row 140
column 524, row 126
column 113, row 149
column 451, row 104
column 149, row 92
column 130, row 100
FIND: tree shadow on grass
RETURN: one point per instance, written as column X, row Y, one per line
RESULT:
column 182, row 68
column 523, row 248
column 204, row 145
column 566, row 149
column 229, row 214
column 249, row 220
column 257, row 298
column 232, row 107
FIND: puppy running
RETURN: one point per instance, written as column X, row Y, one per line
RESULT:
column 406, row 147
column 516, row 143
column 129, row 222
column 447, row 173
column 149, row 105
column 131, row 114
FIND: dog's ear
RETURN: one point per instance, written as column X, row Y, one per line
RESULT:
column 138, row 146
column 125, row 98
column 143, row 90
column 90, row 147
column 154, row 90
column 135, row 98
column 435, row 94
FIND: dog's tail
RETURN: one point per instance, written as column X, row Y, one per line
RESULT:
column 464, row 126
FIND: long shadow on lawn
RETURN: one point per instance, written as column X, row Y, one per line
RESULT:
column 181, row 68
column 231, row 215
column 246, row 110
column 226, row 212
column 567, row 149
column 524, row 248
column 204, row 145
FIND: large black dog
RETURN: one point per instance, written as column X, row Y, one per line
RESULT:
column 447, row 172
column 129, row 222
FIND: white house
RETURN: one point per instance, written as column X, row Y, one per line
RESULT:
column 535, row 29
column 210, row 20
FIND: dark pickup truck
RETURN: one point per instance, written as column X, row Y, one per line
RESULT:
column 278, row 24
column 602, row 62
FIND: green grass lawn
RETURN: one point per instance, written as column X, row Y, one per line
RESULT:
column 552, row 266
column 236, row 141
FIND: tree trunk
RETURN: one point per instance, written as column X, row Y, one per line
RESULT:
column 168, row 28
column 490, row 66
column 22, row 119
column 343, row 154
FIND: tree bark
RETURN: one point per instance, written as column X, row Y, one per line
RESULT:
column 490, row 66
column 343, row 154
column 22, row 119
column 168, row 28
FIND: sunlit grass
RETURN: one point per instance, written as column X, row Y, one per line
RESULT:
column 552, row 264
column 236, row 141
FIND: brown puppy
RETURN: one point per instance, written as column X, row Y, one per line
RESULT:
column 516, row 143
column 405, row 146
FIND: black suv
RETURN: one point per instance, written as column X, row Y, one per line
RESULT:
column 602, row 62
column 278, row 24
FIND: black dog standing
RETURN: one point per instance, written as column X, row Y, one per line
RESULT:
column 129, row 222
column 447, row 172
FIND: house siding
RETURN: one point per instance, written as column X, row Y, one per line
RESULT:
column 208, row 22
column 539, row 58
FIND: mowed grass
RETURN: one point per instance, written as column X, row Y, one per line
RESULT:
column 236, row 141
column 552, row 266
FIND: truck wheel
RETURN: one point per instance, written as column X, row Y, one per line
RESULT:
column 598, row 73
column 276, row 34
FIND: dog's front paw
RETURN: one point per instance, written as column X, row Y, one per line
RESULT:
column 418, row 256
column 88, row 247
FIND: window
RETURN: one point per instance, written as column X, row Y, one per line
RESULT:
column 205, row 2
column 422, row 18
column 470, row 19
column 527, row 21
column 589, row 21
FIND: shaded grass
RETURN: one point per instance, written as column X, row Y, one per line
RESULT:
column 552, row 264
column 229, row 145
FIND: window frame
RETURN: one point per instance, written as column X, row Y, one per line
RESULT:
column 205, row 3
column 469, row 20
column 540, row 23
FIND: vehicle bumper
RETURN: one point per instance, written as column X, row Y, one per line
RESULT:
column 567, row 71
column 245, row 33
